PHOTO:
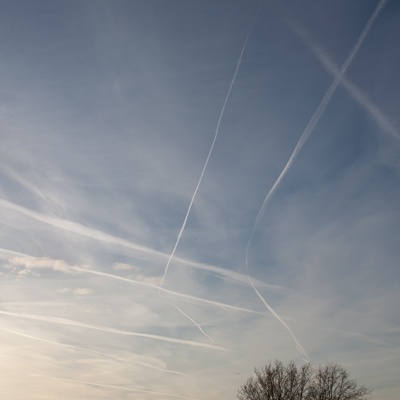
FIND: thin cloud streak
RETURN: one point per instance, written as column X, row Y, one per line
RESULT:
column 117, row 387
column 94, row 352
column 303, row 139
column 63, row 321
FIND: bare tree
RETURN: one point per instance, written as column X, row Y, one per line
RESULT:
column 332, row 382
column 279, row 382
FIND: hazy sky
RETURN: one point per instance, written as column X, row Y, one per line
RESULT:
column 194, row 188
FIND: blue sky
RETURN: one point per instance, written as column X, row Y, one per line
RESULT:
column 191, row 189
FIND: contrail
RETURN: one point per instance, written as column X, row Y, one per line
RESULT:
column 191, row 320
column 298, row 345
column 23, row 181
column 94, row 352
column 374, row 111
column 80, row 229
column 4, row 254
column 317, row 115
column 104, row 237
column 212, row 144
column 362, row 98
column 63, row 321
column 118, row 387
column 304, row 137
column 167, row 291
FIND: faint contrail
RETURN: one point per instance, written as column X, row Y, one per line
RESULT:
column 305, row 135
column 94, row 352
column 23, row 181
column 212, row 144
column 362, row 98
column 118, row 387
column 64, row 321
column 191, row 320
column 374, row 111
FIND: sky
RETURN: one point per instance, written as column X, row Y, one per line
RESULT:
column 192, row 189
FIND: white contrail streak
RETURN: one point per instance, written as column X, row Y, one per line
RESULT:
column 298, row 345
column 5, row 254
column 305, row 135
column 63, row 321
column 212, row 303
column 191, row 320
column 317, row 115
column 212, row 144
column 93, row 352
column 79, row 229
column 104, row 237
column 374, row 111
column 118, row 387
column 362, row 98
column 166, row 291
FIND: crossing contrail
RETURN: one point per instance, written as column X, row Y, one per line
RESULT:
column 362, row 98
column 303, row 138
column 317, row 115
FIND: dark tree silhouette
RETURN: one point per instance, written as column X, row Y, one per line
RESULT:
column 279, row 382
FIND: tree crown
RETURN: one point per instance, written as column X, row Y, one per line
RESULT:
column 288, row 382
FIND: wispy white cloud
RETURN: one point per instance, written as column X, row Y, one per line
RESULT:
column 83, row 291
column 64, row 290
column 39, row 263
column 124, row 267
